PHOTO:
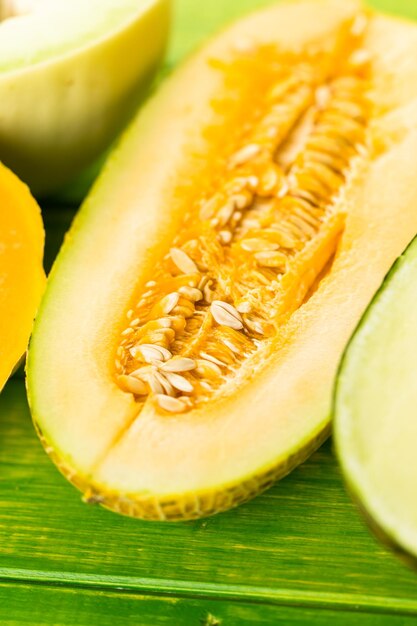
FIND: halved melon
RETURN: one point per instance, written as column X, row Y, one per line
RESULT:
column 71, row 72
column 22, row 279
column 376, row 409
column 184, row 355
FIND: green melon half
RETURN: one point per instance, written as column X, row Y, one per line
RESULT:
column 70, row 75
column 376, row 408
column 121, row 450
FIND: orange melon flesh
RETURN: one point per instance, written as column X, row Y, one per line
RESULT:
column 121, row 449
column 22, row 279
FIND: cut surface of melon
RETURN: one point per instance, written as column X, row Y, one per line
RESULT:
column 42, row 30
column 376, row 407
column 184, row 355
column 22, row 279
column 70, row 75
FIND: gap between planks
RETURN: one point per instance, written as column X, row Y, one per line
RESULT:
column 236, row 593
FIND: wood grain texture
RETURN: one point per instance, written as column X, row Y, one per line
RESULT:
column 42, row 605
column 300, row 544
column 297, row 555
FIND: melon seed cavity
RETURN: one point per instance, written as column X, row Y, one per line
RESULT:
column 250, row 252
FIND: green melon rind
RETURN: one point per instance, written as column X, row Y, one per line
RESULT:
column 388, row 535
column 185, row 506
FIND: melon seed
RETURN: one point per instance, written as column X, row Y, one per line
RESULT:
column 178, row 364
column 226, row 314
column 172, row 405
column 183, row 261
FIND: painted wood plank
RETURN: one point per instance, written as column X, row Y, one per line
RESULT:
column 301, row 543
column 37, row 605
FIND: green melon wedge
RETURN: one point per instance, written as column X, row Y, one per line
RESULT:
column 70, row 74
column 376, row 408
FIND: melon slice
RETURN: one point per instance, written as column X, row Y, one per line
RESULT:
column 184, row 355
column 70, row 74
column 22, row 279
column 376, row 409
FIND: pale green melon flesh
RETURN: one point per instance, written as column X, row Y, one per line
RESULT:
column 71, row 74
column 376, row 406
column 52, row 28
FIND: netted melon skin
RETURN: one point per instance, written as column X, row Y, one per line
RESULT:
column 186, row 506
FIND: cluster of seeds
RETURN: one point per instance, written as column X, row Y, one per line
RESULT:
column 170, row 377
column 264, row 237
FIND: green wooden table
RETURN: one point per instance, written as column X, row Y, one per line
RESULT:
column 297, row 555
